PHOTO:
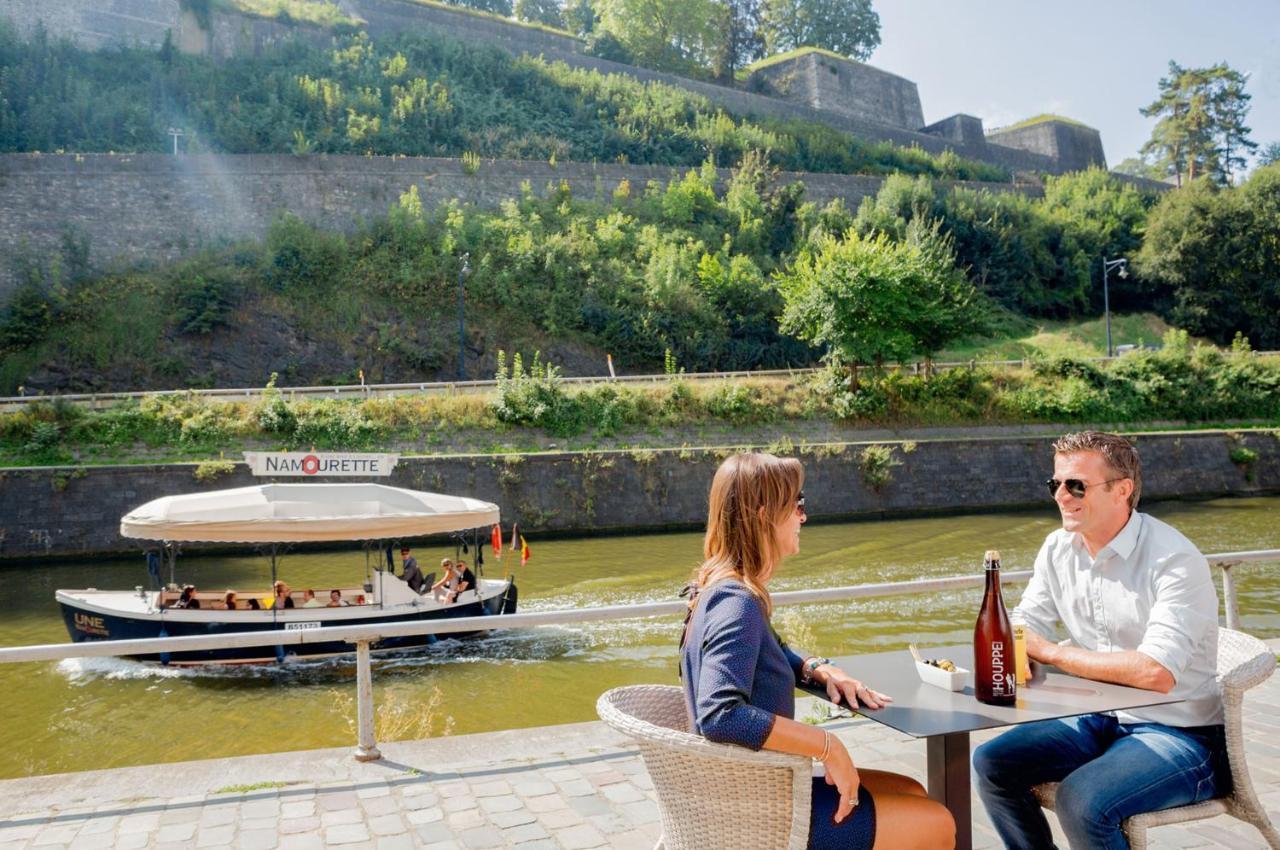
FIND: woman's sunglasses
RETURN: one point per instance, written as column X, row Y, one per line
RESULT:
column 1075, row 486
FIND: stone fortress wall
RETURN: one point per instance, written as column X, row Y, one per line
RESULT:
column 136, row 207
column 158, row 208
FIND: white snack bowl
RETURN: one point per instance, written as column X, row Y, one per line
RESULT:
column 952, row 680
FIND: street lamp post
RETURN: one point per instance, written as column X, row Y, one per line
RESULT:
column 175, row 132
column 1107, row 265
column 462, row 339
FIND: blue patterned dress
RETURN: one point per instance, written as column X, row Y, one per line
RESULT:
column 738, row 679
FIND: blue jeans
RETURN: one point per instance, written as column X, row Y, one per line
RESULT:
column 1108, row 770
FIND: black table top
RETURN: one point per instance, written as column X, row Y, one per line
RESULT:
column 923, row 710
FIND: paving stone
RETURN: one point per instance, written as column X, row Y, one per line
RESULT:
column 269, row 808
column 397, row 842
column 421, row 816
column 302, row 841
column 131, row 841
column 57, row 833
column 347, row 833
column 548, row 803
column 458, row 804
column 579, row 837
column 176, row 832
column 297, row 809
column 294, row 826
column 587, row 806
column 533, row 787
column 577, row 788
column 540, row 844
column 505, row 820
column 481, row 837
column 141, row 822
column 387, row 825
column 524, row 832
column 622, row 792
column 100, row 824
column 504, row 803
column 377, row 806
column 490, row 789
column 373, row 792
column 560, row 818
column 215, row 836
column 257, row 839
column 470, row 819
column 271, row 823
column 339, row 818
column 433, row 833
column 218, row 815
column 333, row 802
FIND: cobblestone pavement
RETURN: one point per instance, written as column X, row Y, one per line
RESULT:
column 566, row 787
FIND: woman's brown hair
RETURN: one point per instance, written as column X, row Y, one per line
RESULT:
column 750, row 494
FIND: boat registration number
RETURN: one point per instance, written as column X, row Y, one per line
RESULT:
column 297, row 627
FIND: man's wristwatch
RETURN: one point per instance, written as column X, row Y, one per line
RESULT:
column 810, row 666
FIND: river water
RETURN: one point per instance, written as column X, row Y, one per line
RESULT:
column 83, row 714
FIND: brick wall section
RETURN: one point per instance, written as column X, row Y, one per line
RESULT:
column 157, row 207
column 63, row 512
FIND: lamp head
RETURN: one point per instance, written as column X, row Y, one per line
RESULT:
column 1124, row 272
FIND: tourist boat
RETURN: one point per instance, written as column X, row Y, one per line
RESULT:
column 272, row 517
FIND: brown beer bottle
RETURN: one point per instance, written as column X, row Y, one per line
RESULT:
column 993, row 656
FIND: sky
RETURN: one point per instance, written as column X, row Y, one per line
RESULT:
column 1097, row 62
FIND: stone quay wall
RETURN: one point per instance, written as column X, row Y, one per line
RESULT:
column 158, row 207
column 64, row 512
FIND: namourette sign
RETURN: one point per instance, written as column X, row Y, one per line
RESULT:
column 327, row 464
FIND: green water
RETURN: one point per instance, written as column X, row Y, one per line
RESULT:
column 94, row 713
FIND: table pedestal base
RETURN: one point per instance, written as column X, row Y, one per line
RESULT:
column 949, row 781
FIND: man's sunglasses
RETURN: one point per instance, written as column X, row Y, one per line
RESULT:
column 800, row 503
column 1075, row 486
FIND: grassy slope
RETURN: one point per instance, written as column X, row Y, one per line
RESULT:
column 1022, row 338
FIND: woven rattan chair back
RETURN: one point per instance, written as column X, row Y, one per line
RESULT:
column 711, row 796
column 1243, row 662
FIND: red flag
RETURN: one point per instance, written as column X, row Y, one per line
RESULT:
column 524, row 551
column 495, row 540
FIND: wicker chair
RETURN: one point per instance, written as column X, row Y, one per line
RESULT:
column 711, row 796
column 1243, row 661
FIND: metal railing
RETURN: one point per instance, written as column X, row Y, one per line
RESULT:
column 96, row 400
column 363, row 636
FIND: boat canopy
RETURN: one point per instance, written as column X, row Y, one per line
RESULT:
column 295, row 513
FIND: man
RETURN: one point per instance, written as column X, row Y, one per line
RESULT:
column 309, row 599
column 1138, row 603
column 412, row 575
column 336, row 600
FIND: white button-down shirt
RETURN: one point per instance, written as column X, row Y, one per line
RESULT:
column 1149, row 589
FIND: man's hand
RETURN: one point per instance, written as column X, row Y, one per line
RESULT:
column 1123, row 667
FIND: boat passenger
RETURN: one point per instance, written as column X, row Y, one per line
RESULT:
column 282, row 598
column 457, row 578
column 229, row 601
column 309, row 599
column 336, row 600
column 188, row 597
column 254, row 605
column 412, row 575
column 446, row 569
column 740, row 677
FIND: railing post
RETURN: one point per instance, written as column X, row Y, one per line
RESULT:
column 1229, row 597
column 367, row 747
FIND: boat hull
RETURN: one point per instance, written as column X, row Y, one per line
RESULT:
column 94, row 623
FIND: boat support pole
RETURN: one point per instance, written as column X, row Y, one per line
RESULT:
column 367, row 747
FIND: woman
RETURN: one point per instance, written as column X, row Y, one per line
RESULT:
column 739, row 678
column 283, row 595
column 188, row 597
column 229, row 600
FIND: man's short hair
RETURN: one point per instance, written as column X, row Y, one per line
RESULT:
column 404, row 549
column 1120, row 454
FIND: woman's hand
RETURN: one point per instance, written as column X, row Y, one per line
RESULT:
column 841, row 687
column 842, row 774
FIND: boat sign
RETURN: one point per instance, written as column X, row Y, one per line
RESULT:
column 297, row 627
column 327, row 464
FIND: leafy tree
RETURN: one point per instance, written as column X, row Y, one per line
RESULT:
column 1136, row 166
column 1270, row 154
column 848, row 27
column 868, row 300
column 741, row 39
column 540, row 12
column 579, row 17
column 678, row 35
column 1219, row 250
column 1201, row 130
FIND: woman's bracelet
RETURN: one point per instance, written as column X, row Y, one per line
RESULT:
column 810, row 666
column 826, row 745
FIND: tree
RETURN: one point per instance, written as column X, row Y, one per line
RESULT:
column 1269, row 155
column 1136, row 166
column 848, row 27
column 869, row 299
column 1201, row 130
column 741, row 39
column 579, row 17
column 539, row 12
column 678, row 35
